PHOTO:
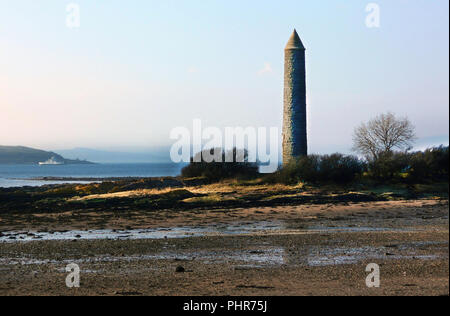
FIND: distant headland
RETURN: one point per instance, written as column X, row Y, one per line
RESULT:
column 25, row 155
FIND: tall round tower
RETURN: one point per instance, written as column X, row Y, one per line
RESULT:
column 294, row 113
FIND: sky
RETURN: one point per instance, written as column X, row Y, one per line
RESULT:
column 134, row 70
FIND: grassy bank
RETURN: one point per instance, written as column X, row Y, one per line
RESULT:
column 199, row 193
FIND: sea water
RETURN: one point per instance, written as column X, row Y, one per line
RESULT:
column 31, row 175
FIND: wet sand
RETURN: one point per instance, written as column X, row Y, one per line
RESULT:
column 291, row 250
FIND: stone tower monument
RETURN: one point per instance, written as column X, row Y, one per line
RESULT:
column 294, row 112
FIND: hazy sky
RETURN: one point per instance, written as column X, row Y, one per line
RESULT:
column 136, row 69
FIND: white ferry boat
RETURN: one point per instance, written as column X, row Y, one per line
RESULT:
column 51, row 161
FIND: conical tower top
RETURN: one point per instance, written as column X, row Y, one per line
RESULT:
column 295, row 42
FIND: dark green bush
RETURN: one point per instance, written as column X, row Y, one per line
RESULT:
column 340, row 168
column 431, row 164
column 416, row 167
column 215, row 171
column 335, row 168
column 389, row 166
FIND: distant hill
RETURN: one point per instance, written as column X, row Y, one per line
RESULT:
column 26, row 155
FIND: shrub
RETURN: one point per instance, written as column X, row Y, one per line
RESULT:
column 215, row 171
column 389, row 166
column 417, row 167
column 302, row 169
column 335, row 168
column 431, row 164
column 340, row 168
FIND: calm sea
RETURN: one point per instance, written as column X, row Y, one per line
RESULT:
column 23, row 175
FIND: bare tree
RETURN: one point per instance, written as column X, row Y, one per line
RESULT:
column 382, row 135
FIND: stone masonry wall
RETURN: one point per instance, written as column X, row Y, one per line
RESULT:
column 294, row 112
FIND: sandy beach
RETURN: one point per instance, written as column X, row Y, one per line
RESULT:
column 280, row 250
